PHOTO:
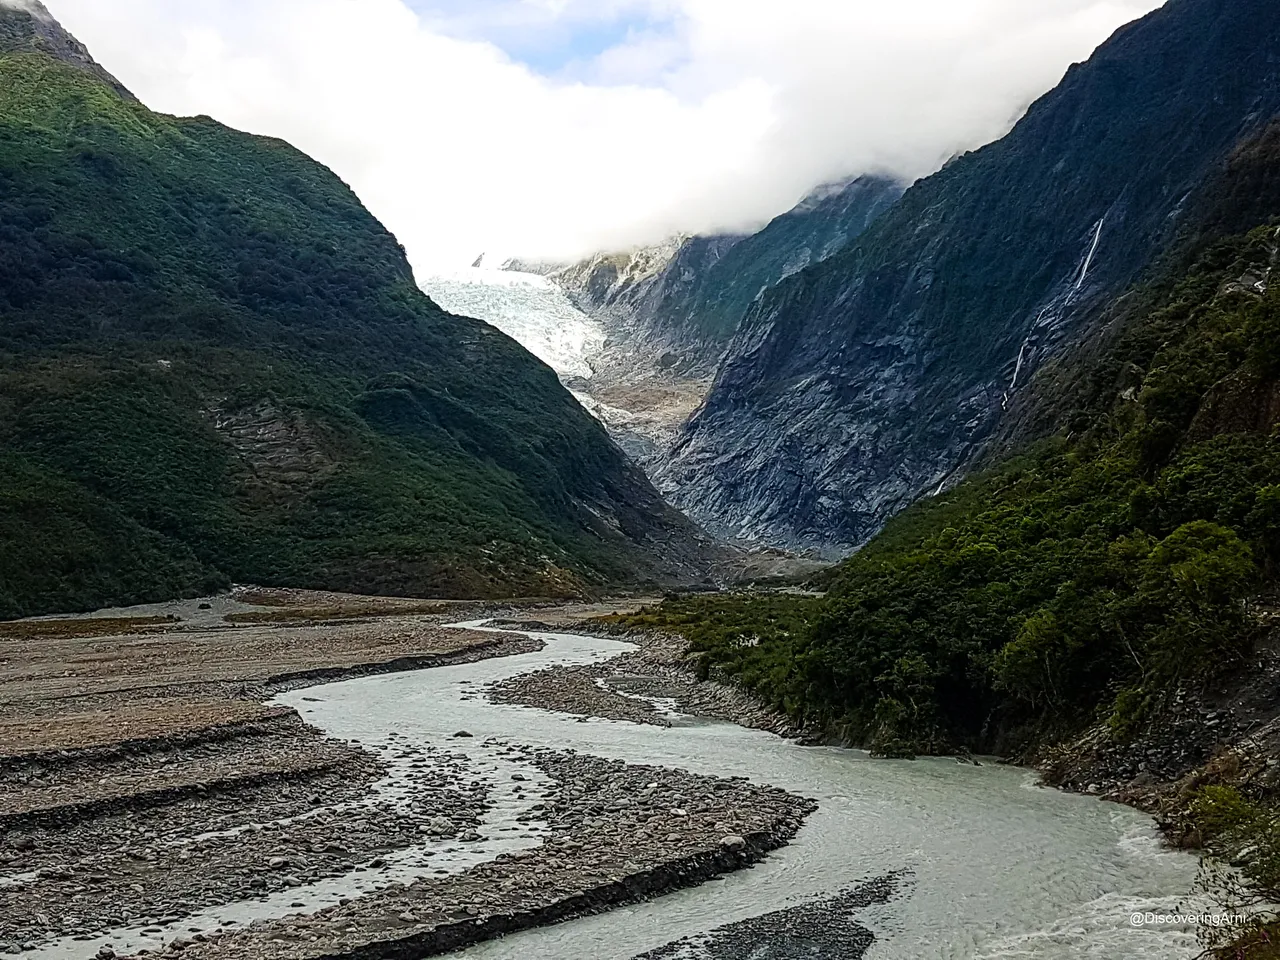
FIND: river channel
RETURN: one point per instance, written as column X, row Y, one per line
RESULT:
column 990, row 865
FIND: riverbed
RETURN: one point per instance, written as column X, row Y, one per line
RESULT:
column 984, row 863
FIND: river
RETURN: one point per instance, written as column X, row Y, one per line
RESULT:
column 992, row 865
column 981, row 863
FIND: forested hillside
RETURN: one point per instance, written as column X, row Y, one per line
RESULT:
column 1087, row 577
column 215, row 365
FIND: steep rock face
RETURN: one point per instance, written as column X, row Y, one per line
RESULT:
column 858, row 385
column 825, row 222
column 686, row 297
column 668, row 311
column 1239, row 194
column 645, row 297
column 26, row 26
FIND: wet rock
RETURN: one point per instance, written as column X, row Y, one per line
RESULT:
column 827, row 929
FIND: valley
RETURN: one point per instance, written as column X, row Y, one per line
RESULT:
column 626, row 386
column 895, row 578
column 416, row 788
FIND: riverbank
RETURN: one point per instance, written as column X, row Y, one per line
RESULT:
column 145, row 789
column 650, row 684
column 616, row 834
column 1201, row 758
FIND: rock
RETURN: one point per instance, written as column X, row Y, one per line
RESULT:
column 440, row 825
column 463, row 734
column 734, row 843
column 1243, row 858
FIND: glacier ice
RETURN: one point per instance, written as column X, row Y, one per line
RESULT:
column 532, row 310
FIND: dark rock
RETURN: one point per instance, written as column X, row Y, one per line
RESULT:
column 888, row 371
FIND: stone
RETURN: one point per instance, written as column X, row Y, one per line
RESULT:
column 734, row 843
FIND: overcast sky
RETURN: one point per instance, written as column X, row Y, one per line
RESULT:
column 552, row 128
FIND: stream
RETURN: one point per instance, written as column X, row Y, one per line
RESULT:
column 983, row 862
column 996, row 866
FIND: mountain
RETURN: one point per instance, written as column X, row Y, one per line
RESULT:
column 880, row 375
column 26, row 26
column 1100, row 601
column 668, row 311
column 215, row 366
column 644, row 297
column 1117, row 578
column 689, row 294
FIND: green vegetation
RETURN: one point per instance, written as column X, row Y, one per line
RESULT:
column 753, row 633
column 1242, row 834
column 1080, row 581
column 215, row 366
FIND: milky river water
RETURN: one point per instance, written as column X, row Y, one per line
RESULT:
column 997, row 866
column 991, row 865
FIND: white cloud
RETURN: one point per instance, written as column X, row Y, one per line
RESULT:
column 30, row 6
column 721, row 117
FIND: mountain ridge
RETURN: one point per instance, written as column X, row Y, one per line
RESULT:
column 669, row 310
column 215, row 365
column 864, row 382
column 689, row 292
column 28, row 26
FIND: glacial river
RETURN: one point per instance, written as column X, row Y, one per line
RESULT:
column 994, row 866
column 989, row 864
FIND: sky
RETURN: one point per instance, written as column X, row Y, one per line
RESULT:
column 556, row 128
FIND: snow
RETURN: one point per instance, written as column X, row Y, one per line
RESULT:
column 532, row 310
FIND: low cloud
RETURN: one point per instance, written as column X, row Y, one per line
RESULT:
column 708, row 114
column 30, row 6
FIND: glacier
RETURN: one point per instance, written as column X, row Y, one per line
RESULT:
column 532, row 310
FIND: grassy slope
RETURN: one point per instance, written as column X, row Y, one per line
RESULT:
column 169, row 289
